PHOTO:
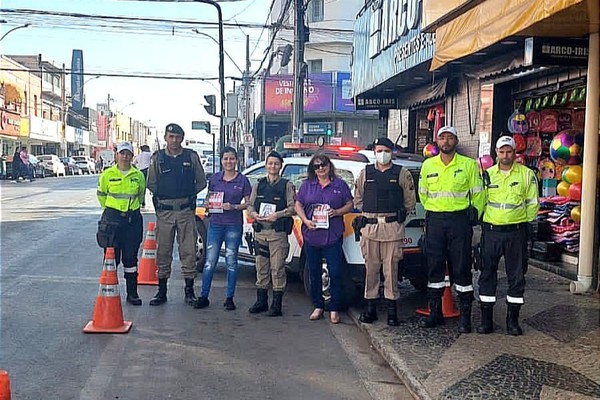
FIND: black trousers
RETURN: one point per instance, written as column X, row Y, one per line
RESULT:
column 513, row 246
column 448, row 241
column 127, row 238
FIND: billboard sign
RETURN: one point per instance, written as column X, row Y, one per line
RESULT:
column 77, row 80
column 318, row 93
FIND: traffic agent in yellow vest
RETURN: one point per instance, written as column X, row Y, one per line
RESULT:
column 121, row 192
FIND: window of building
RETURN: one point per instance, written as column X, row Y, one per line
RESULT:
column 316, row 9
column 315, row 66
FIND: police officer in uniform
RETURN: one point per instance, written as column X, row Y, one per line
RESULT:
column 385, row 193
column 512, row 202
column 271, row 205
column 451, row 191
column 121, row 190
column 175, row 176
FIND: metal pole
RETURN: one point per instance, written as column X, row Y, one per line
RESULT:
column 298, row 101
column 221, row 72
column 264, row 114
column 64, row 110
column 247, row 101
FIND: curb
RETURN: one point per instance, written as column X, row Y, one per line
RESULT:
column 398, row 365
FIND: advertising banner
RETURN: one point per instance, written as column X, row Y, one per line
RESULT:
column 10, row 123
column 318, row 93
column 343, row 92
column 77, row 80
column 44, row 129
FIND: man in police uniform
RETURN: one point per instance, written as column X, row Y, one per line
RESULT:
column 451, row 191
column 175, row 176
column 512, row 202
column 271, row 230
column 385, row 193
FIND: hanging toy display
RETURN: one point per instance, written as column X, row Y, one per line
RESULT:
column 566, row 147
column 431, row 150
column 517, row 123
column 546, row 168
column 485, row 162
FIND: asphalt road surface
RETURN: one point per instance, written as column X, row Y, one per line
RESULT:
column 50, row 266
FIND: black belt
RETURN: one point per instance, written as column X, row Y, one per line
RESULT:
column 171, row 207
column 381, row 220
column 124, row 214
column 444, row 214
column 503, row 228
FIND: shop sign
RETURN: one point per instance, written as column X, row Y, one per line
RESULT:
column 248, row 141
column 540, row 51
column 318, row 93
column 376, row 103
column 343, row 93
column 24, row 128
column 388, row 41
column 70, row 134
column 78, row 135
column 318, row 128
column 86, row 137
column 43, row 129
column 10, row 123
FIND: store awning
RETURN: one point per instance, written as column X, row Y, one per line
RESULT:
column 494, row 20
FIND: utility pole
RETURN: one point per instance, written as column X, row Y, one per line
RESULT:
column 246, row 82
column 300, row 34
column 109, row 125
column 64, row 110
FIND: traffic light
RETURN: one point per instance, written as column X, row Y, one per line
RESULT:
column 329, row 131
column 286, row 54
column 211, row 107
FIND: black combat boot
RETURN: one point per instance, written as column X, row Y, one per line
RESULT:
column 370, row 314
column 392, row 317
column 132, row 294
column 161, row 295
column 275, row 310
column 512, row 320
column 487, row 318
column 202, row 302
column 262, row 302
column 190, row 297
column 464, row 322
column 435, row 316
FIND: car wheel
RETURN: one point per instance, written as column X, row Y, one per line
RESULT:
column 200, row 245
column 349, row 288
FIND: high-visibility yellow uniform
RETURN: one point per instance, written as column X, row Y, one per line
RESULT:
column 446, row 188
column 122, row 192
column 512, row 197
column 512, row 202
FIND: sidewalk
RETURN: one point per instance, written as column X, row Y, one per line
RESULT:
column 557, row 357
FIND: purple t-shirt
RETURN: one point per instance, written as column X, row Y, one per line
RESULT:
column 336, row 194
column 233, row 193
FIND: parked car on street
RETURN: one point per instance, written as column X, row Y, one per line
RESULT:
column 52, row 163
column 87, row 165
column 348, row 166
column 71, row 167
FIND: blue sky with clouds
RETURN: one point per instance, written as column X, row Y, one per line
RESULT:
column 141, row 47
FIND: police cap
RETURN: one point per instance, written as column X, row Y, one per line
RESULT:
column 175, row 129
column 383, row 141
column 276, row 155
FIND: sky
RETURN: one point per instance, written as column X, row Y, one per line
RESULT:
column 141, row 47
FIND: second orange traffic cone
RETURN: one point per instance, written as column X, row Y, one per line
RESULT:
column 108, row 314
column 147, row 271
column 449, row 310
column 4, row 385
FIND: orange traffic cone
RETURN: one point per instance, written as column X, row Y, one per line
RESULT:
column 4, row 385
column 108, row 314
column 147, row 271
column 449, row 310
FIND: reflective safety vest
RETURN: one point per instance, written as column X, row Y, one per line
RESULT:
column 448, row 188
column 511, row 198
column 121, row 192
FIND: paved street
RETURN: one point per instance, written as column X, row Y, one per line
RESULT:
column 50, row 265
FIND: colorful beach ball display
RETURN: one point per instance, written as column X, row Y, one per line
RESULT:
column 431, row 150
column 576, row 214
column 566, row 147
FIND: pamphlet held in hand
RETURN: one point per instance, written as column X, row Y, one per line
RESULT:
column 215, row 202
column 266, row 209
column 320, row 215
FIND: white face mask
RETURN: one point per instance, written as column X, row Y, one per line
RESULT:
column 383, row 157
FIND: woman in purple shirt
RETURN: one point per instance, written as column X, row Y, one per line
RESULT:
column 321, row 202
column 226, row 189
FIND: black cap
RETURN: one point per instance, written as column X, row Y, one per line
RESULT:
column 276, row 155
column 383, row 141
column 174, row 128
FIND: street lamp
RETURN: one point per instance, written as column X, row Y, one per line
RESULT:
column 13, row 29
column 217, row 42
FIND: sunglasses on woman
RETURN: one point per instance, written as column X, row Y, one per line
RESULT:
column 319, row 166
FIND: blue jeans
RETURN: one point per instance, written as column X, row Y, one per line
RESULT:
column 217, row 234
column 333, row 256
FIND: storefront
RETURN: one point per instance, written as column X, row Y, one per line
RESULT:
column 547, row 98
column 44, row 136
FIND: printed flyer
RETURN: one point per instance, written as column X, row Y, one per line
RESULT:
column 215, row 202
column 266, row 209
column 320, row 216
